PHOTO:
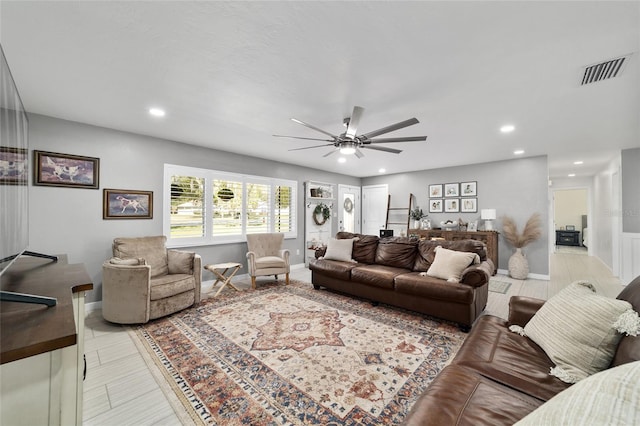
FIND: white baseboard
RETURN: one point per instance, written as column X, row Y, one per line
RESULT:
column 92, row 306
column 541, row 277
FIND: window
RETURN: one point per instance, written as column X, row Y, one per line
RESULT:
column 211, row 207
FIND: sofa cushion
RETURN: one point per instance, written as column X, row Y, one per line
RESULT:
column 180, row 262
column 151, row 249
column 629, row 346
column 449, row 264
column 364, row 247
column 170, row 285
column 397, row 252
column 426, row 251
column 576, row 330
column 433, row 288
column 460, row 396
column 506, row 357
column 267, row 262
column 332, row 268
column 339, row 249
column 376, row 275
column 127, row 262
column 608, row 397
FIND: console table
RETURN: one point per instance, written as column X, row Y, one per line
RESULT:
column 567, row 238
column 489, row 238
column 42, row 348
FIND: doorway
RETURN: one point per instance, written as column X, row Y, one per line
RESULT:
column 374, row 208
column 570, row 219
column 349, row 208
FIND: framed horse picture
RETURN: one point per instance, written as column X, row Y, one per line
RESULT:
column 127, row 204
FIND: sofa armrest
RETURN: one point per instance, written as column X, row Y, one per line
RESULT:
column 285, row 254
column 522, row 309
column 125, row 293
column 477, row 275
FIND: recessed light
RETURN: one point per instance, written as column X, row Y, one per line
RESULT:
column 157, row 112
column 519, row 152
column 578, row 162
column 342, row 160
column 507, row 128
column 382, row 170
column 571, row 175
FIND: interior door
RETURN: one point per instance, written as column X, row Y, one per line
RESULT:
column 374, row 208
column 349, row 208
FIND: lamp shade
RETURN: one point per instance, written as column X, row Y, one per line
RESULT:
column 488, row 214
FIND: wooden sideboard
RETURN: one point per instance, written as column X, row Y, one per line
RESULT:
column 490, row 238
column 42, row 348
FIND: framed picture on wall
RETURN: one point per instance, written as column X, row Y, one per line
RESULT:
column 469, row 205
column 14, row 166
column 72, row 171
column 435, row 206
column 435, row 191
column 469, row 189
column 452, row 206
column 127, row 204
column 451, row 190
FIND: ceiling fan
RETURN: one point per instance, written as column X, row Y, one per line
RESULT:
column 350, row 143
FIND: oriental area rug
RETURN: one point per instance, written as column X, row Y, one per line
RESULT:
column 291, row 355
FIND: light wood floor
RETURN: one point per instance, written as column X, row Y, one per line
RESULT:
column 120, row 389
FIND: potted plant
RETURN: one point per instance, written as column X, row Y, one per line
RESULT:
column 417, row 214
column 518, row 264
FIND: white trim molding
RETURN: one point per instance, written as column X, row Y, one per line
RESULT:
column 630, row 257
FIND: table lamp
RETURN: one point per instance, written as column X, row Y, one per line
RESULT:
column 488, row 215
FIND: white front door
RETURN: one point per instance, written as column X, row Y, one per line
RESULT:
column 349, row 208
column 374, row 208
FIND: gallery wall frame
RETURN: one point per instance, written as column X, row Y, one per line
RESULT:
column 469, row 189
column 469, row 205
column 68, row 170
column 436, row 206
column 452, row 205
column 451, row 190
column 14, row 166
column 127, row 204
column 435, row 191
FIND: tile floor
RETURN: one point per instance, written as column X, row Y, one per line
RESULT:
column 120, row 389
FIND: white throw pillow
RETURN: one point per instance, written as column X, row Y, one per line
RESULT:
column 449, row 264
column 606, row 398
column 339, row 249
column 579, row 330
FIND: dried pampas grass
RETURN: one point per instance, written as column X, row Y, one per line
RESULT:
column 531, row 232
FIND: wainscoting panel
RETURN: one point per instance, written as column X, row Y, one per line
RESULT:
column 630, row 256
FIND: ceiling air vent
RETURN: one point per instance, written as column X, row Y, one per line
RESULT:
column 603, row 70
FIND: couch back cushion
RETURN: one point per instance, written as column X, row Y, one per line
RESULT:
column 151, row 249
column 629, row 347
column 364, row 248
column 398, row 252
column 427, row 251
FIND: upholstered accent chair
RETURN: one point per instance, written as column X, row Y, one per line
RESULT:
column 145, row 281
column 266, row 256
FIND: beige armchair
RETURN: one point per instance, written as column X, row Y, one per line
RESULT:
column 266, row 256
column 145, row 281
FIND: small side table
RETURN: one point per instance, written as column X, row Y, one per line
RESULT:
column 222, row 277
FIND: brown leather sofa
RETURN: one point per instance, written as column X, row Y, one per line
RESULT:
column 388, row 270
column 498, row 377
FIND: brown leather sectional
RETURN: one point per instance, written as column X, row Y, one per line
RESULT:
column 498, row 377
column 388, row 271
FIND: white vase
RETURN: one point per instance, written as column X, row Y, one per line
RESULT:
column 416, row 224
column 518, row 265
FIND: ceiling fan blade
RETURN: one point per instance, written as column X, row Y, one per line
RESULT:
column 295, row 120
column 354, row 120
column 359, row 153
column 330, row 152
column 309, row 147
column 391, row 140
column 383, row 148
column 298, row 137
column 397, row 126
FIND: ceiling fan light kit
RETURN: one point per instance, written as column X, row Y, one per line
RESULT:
column 349, row 143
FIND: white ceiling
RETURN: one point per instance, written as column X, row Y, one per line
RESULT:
column 232, row 74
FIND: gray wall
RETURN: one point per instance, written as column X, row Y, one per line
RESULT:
column 69, row 220
column 517, row 188
column 630, row 190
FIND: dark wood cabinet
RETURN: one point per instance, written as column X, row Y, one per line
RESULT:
column 568, row 238
column 490, row 238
